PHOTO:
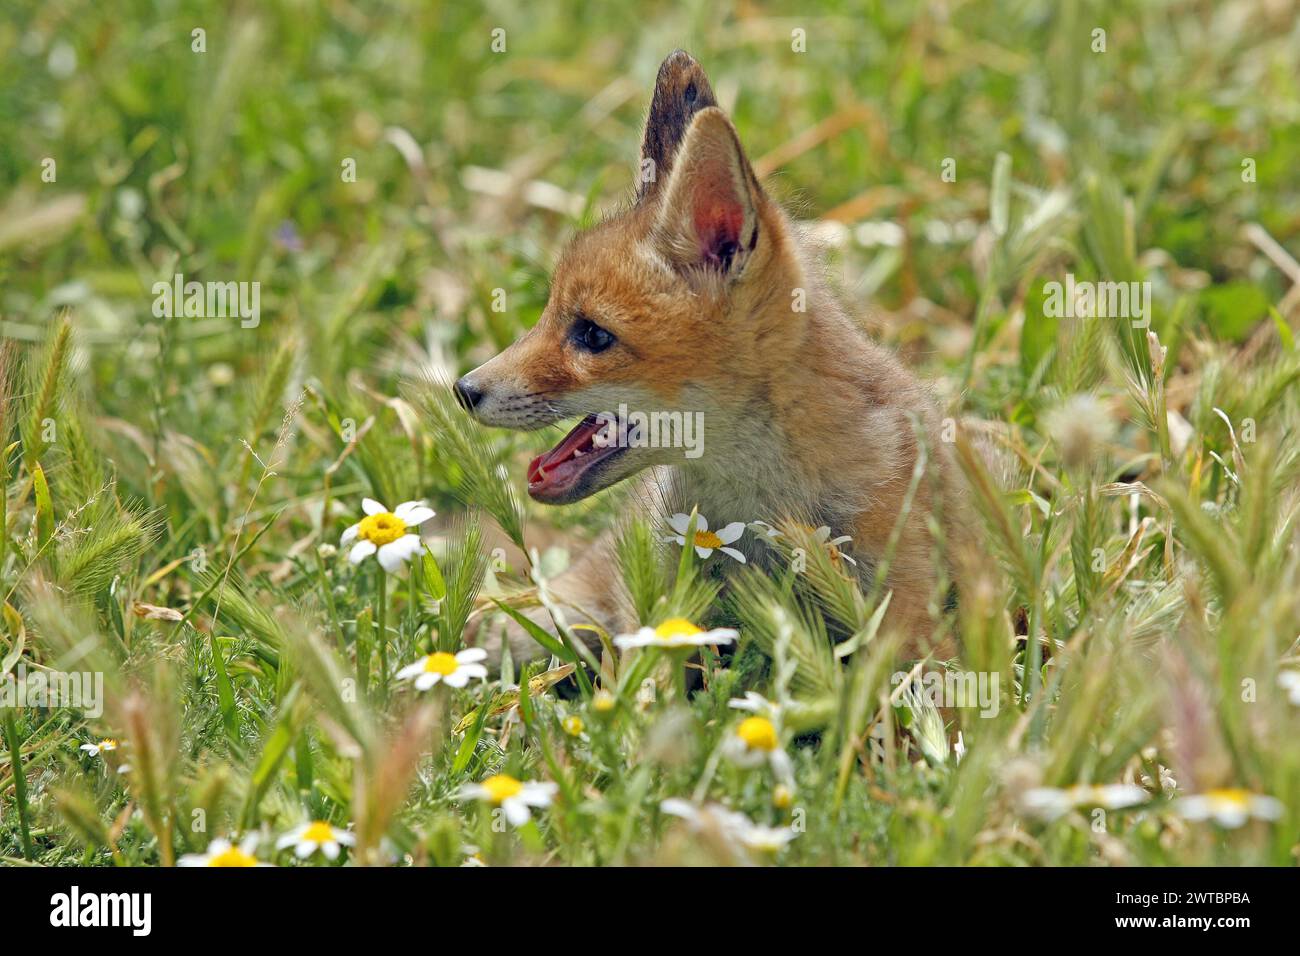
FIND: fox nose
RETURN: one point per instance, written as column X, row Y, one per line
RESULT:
column 466, row 394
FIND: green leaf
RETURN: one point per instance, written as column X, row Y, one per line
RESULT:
column 44, row 508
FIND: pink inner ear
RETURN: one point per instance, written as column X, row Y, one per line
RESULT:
column 718, row 219
column 716, row 213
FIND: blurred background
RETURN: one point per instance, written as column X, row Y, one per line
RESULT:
column 472, row 166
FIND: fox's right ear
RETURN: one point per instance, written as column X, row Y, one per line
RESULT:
column 708, row 214
column 681, row 91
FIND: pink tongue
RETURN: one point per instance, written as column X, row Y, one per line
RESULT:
column 539, row 467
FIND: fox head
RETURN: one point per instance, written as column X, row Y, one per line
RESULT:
column 665, row 308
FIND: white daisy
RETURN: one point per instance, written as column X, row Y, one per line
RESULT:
column 107, row 745
column 735, row 827
column 1229, row 807
column 823, row 537
column 317, row 835
column 764, row 530
column 755, row 742
column 676, row 632
column 387, row 534
column 1052, row 802
column 709, row 816
column 511, row 795
column 706, row 541
column 454, row 670
column 755, row 836
column 223, row 853
column 1289, row 681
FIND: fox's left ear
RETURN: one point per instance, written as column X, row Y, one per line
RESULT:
column 681, row 91
column 708, row 216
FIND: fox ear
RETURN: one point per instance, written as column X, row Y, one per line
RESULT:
column 681, row 91
column 709, row 214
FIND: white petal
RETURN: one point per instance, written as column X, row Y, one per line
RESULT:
column 361, row 550
column 344, row 837
column 427, row 680
column 471, row 654
column 474, row 671
column 733, row 553
column 679, row 808
column 331, row 850
column 731, row 532
column 350, row 534
column 305, row 849
column 410, row 670
column 642, row 638
column 1267, row 808
column 1231, row 817
column 457, row 678
column 703, row 552
column 372, row 507
column 392, row 556
column 678, row 522
column 539, row 793
column 412, row 544
column 516, row 811
column 414, row 513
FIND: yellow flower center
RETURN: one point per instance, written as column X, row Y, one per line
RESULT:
column 441, row 663
column 758, row 733
column 676, row 628
column 233, row 857
column 1233, row 795
column 573, row 725
column 501, row 787
column 707, row 539
column 109, row 744
column 604, row 701
column 318, row 832
column 381, row 529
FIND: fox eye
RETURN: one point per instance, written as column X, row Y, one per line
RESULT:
column 590, row 337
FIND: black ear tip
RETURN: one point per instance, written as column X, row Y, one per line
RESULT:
column 678, row 60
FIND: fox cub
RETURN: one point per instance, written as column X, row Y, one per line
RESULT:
column 701, row 300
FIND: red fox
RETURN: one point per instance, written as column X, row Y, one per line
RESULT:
column 700, row 299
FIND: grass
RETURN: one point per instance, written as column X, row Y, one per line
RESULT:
column 175, row 489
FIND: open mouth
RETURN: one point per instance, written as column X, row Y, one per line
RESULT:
column 564, row 473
